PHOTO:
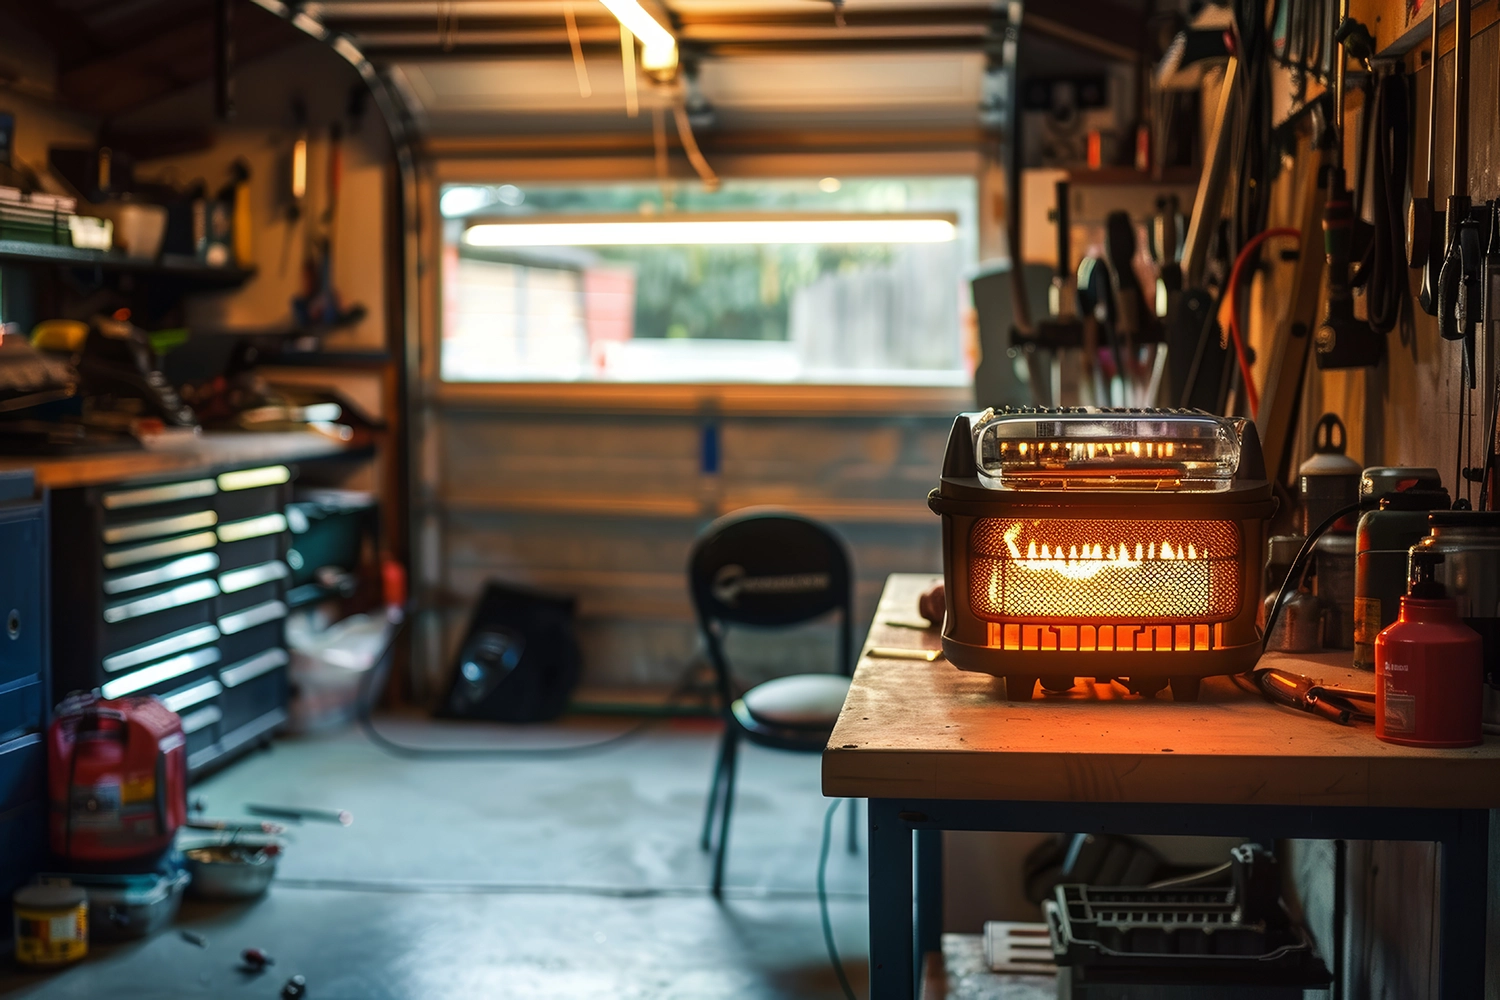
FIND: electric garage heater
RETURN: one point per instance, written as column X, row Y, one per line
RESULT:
column 1118, row 544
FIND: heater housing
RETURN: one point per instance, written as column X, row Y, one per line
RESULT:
column 1118, row 544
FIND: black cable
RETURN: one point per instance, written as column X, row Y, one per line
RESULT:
column 1382, row 272
column 1298, row 568
column 833, row 948
column 365, row 706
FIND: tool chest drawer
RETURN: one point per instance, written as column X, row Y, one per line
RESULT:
column 238, row 550
column 257, row 694
column 23, row 771
column 21, row 708
column 22, row 548
column 162, row 675
column 149, row 616
column 244, row 588
column 252, row 492
column 266, row 632
column 156, row 499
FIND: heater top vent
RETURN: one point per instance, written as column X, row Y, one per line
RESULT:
column 1105, row 448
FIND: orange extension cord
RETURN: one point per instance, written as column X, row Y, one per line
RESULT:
column 1232, row 296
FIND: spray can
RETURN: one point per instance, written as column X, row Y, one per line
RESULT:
column 1429, row 672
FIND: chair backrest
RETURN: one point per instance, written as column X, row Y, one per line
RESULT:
column 769, row 569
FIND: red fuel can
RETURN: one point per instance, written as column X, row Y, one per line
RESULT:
column 1429, row 675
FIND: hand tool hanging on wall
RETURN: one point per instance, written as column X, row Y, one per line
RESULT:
column 1342, row 340
column 1425, row 221
column 1490, row 326
column 1458, row 291
column 1380, row 272
column 1192, row 333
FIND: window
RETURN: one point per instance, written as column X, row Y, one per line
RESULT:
column 824, row 281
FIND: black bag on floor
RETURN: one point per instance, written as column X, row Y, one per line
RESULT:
column 519, row 661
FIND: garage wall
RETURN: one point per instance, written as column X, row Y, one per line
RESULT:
column 599, row 491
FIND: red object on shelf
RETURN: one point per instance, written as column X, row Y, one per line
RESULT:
column 1429, row 677
column 116, row 778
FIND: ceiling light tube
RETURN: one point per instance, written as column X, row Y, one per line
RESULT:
column 641, row 24
column 701, row 231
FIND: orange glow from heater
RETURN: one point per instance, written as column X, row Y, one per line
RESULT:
column 1095, row 557
column 1146, row 573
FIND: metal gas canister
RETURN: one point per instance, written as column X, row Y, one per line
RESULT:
column 1429, row 680
column 1469, row 543
column 1383, row 543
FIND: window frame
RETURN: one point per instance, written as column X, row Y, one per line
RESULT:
column 760, row 397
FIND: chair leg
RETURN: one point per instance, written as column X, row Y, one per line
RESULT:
column 712, row 806
column 730, row 763
column 853, row 826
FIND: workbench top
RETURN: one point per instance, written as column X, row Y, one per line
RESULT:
column 913, row 729
column 176, row 456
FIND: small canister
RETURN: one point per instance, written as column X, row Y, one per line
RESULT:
column 1429, row 681
column 1383, row 542
column 51, row 925
column 1335, row 587
column 1329, row 480
column 1299, row 626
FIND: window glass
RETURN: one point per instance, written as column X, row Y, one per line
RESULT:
column 860, row 280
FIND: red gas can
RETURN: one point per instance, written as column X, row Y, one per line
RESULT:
column 1429, row 669
column 117, row 779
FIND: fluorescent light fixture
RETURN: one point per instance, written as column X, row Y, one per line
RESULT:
column 641, row 24
column 701, row 230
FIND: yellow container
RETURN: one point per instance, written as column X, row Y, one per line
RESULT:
column 52, row 925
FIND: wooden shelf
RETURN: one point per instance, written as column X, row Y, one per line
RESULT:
column 177, row 267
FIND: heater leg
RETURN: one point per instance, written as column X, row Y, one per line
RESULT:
column 1185, row 688
column 1019, row 688
column 1057, row 683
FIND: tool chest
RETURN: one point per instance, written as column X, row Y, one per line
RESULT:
column 177, row 589
column 25, row 698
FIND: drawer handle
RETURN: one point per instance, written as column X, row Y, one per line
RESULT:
column 251, row 617
column 249, row 479
column 13, row 624
column 252, row 576
column 255, row 666
column 178, row 569
column 187, row 593
column 252, row 527
column 176, row 642
column 197, row 694
column 160, row 550
column 160, row 494
column 157, row 673
column 135, row 531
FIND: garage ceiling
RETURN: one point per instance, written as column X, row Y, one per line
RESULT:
column 506, row 66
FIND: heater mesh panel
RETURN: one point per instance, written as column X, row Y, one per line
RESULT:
column 1093, row 570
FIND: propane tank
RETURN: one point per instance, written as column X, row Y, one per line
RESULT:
column 1429, row 674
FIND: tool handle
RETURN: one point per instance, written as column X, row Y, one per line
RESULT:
column 1450, row 279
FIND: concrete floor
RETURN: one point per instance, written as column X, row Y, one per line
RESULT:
column 516, row 879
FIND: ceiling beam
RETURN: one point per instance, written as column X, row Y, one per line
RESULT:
column 172, row 59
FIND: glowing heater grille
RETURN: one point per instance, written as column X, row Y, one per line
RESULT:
column 1097, row 585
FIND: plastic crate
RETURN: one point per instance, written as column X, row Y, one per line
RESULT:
column 1186, row 936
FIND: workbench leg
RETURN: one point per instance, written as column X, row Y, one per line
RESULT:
column 1465, row 877
column 929, row 893
column 892, row 976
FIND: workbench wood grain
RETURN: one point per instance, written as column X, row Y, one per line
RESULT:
column 184, row 457
column 912, row 729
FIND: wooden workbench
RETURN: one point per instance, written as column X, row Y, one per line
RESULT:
column 183, row 456
column 937, row 748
